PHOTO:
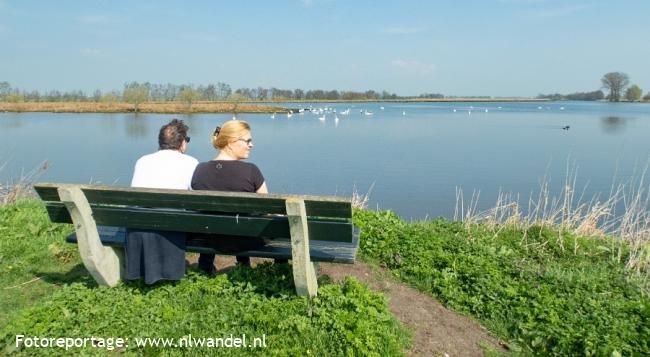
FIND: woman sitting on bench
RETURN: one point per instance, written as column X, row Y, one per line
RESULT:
column 228, row 172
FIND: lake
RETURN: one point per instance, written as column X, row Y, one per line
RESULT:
column 414, row 156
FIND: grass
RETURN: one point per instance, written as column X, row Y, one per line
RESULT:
column 530, row 286
column 569, row 212
column 32, row 248
column 63, row 301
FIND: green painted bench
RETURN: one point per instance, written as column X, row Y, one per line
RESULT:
column 305, row 229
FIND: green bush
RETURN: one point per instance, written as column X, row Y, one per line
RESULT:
column 546, row 291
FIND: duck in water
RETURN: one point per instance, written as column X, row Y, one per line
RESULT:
column 566, row 127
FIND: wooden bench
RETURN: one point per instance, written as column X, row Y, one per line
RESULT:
column 305, row 229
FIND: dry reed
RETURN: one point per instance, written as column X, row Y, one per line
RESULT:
column 361, row 200
column 146, row 107
column 572, row 213
column 14, row 191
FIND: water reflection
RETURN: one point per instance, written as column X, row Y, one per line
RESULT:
column 109, row 122
column 613, row 124
column 137, row 126
column 13, row 120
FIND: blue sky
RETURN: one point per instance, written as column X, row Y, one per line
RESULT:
column 490, row 47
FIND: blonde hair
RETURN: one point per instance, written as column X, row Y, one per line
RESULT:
column 232, row 129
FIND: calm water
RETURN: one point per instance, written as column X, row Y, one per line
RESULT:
column 413, row 155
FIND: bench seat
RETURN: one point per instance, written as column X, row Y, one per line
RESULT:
column 319, row 251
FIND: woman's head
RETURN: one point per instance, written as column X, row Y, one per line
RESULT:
column 234, row 138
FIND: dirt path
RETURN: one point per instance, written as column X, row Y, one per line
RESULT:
column 437, row 331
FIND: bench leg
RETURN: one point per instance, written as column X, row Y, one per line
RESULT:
column 103, row 263
column 304, row 272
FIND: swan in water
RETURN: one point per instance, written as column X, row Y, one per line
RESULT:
column 367, row 113
column 404, row 112
column 289, row 114
column 322, row 118
column 273, row 116
column 382, row 108
column 454, row 110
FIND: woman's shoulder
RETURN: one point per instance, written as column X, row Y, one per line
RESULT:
column 204, row 164
column 233, row 164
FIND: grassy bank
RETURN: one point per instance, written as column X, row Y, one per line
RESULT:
column 46, row 292
column 148, row 107
column 544, row 290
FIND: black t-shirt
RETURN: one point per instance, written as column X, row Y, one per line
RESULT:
column 227, row 175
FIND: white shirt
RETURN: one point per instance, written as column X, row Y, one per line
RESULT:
column 164, row 169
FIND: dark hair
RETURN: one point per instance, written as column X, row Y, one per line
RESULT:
column 172, row 135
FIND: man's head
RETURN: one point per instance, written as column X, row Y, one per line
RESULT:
column 173, row 136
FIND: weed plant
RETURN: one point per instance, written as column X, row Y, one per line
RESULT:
column 543, row 289
column 345, row 319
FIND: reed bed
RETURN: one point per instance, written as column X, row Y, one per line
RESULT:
column 570, row 211
column 146, row 107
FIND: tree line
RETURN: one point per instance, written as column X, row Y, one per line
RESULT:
column 143, row 92
column 618, row 85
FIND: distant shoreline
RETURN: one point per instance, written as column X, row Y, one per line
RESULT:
column 148, row 107
column 212, row 107
column 411, row 100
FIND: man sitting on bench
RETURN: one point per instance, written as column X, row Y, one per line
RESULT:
column 160, row 255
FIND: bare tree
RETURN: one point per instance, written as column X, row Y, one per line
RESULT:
column 615, row 82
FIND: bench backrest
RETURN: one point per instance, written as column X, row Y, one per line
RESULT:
column 230, row 213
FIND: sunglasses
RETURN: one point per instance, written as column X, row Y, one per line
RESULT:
column 247, row 141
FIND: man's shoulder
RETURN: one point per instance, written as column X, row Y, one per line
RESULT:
column 147, row 157
column 190, row 159
column 167, row 155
